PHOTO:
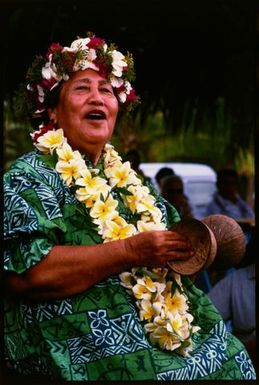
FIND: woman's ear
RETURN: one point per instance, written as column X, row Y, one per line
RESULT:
column 52, row 114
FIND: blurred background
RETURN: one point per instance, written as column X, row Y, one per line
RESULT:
column 196, row 74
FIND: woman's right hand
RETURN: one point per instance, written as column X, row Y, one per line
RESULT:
column 156, row 248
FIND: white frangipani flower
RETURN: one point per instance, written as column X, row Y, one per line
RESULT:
column 49, row 71
column 117, row 62
column 116, row 82
column 80, row 43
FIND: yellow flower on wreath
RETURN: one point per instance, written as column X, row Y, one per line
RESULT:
column 51, row 140
column 93, row 185
column 121, row 175
column 117, row 228
column 104, row 210
column 165, row 338
column 176, row 303
column 66, row 153
column 148, row 309
column 144, row 288
column 138, row 193
column 70, row 170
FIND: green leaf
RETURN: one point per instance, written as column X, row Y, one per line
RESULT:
column 50, row 160
column 149, row 273
column 123, row 191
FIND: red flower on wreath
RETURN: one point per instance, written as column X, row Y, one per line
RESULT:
column 95, row 42
column 49, row 127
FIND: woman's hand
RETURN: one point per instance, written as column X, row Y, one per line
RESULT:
column 156, row 248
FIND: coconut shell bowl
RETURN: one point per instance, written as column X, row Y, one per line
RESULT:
column 218, row 241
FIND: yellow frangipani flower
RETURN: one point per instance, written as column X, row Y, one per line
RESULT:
column 159, row 321
column 138, row 193
column 69, row 170
column 144, row 288
column 51, row 140
column 165, row 339
column 176, row 303
column 146, row 204
column 66, row 153
column 148, row 309
column 160, row 287
column 141, row 292
column 118, row 228
column 111, row 156
column 93, row 185
column 180, row 325
column 156, row 215
column 83, row 196
column 175, row 324
column 176, row 277
column 104, row 210
column 121, row 175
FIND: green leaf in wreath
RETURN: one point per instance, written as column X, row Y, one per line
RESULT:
column 49, row 160
column 124, row 191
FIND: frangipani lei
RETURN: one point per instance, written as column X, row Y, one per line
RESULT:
column 159, row 293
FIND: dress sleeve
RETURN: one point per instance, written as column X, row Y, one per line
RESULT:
column 33, row 220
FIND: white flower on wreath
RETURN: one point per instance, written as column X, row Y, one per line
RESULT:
column 78, row 44
column 87, row 63
column 123, row 94
column 117, row 62
column 49, row 71
column 148, row 309
column 116, row 82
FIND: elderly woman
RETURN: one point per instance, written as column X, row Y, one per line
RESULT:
column 89, row 293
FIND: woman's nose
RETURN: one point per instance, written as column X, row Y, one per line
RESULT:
column 95, row 97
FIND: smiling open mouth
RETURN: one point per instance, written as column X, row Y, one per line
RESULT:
column 96, row 115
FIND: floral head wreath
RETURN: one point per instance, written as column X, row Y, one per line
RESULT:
column 46, row 73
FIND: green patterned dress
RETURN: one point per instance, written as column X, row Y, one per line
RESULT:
column 97, row 334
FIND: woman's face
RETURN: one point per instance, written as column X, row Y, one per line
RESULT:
column 87, row 111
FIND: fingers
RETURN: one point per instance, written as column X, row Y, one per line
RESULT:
column 156, row 248
column 176, row 243
column 179, row 255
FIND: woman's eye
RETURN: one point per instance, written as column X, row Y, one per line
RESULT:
column 106, row 90
column 82, row 87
